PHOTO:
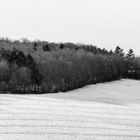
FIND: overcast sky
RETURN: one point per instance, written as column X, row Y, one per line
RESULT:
column 105, row 23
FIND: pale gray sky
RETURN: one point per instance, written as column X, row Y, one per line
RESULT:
column 105, row 23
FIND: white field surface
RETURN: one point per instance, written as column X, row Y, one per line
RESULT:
column 108, row 111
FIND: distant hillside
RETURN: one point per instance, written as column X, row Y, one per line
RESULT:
column 39, row 66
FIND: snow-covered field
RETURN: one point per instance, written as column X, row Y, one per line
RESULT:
column 109, row 111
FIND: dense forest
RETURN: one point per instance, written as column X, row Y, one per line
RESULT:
column 43, row 67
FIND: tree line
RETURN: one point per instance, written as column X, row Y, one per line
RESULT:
column 43, row 67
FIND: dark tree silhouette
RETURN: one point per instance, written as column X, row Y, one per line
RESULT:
column 46, row 47
column 21, row 59
column 35, row 75
column 61, row 46
column 30, row 62
column 119, row 51
column 130, row 54
column 35, row 46
column 13, row 56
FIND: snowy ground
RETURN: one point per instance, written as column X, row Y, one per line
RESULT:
column 109, row 111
